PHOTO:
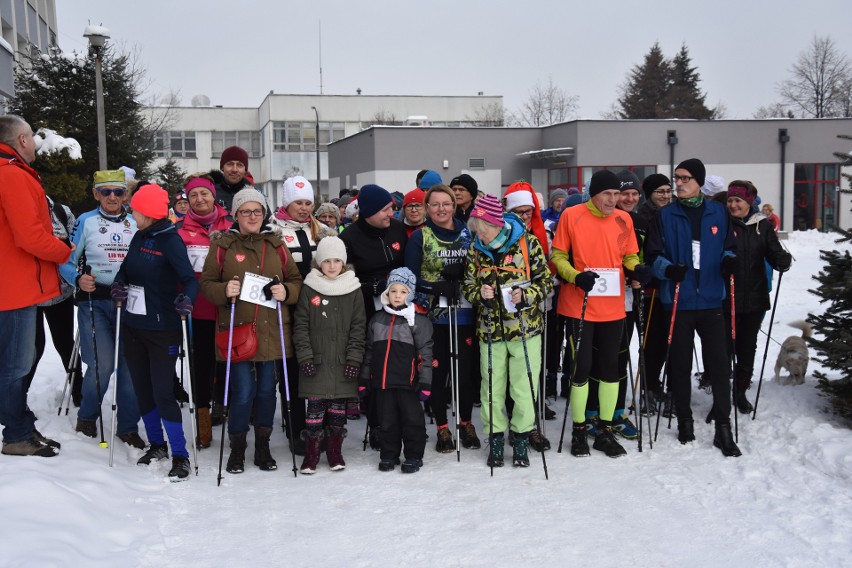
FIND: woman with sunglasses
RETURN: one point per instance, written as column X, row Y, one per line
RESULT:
column 240, row 267
column 102, row 237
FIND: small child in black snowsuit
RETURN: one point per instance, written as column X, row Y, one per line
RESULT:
column 398, row 364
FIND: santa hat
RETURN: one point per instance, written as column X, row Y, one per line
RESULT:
column 536, row 224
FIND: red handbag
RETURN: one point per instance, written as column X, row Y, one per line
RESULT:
column 244, row 342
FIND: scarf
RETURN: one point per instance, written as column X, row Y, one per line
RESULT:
column 113, row 218
column 500, row 240
column 406, row 311
column 344, row 283
column 204, row 220
column 692, row 202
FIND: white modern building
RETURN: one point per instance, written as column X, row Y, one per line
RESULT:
column 287, row 134
column 25, row 24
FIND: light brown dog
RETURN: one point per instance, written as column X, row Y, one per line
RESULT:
column 794, row 356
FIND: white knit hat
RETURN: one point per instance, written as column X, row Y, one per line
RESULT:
column 519, row 199
column 245, row 195
column 713, row 185
column 352, row 209
column 330, row 248
column 296, row 188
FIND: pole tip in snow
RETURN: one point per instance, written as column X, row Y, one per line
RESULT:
column 103, row 444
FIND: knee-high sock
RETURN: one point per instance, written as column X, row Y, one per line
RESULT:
column 579, row 396
column 608, row 395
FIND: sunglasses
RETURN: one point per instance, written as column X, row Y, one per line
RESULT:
column 116, row 191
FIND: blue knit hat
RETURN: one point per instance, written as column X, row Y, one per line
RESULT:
column 372, row 199
column 429, row 180
column 402, row 276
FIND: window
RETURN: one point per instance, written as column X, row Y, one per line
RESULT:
column 248, row 140
column 815, row 196
column 578, row 177
column 302, row 136
column 174, row 144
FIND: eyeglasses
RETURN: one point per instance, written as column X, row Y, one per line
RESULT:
column 117, row 191
column 414, row 206
column 447, row 205
column 524, row 212
column 683, row 179
column 662, row 191
column 250, row 212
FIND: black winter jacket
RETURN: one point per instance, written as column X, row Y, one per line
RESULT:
column 398, row 356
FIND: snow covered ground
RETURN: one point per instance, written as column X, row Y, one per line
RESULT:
column 786, row 502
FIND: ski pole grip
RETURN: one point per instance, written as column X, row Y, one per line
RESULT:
column 87, row 270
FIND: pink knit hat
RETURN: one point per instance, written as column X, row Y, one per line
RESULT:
column 489, row 209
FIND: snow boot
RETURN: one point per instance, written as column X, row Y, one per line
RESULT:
column 388, row 465
column 312, row 453
column 469, row 437
column 622, row 426
column 605, row 442
column 549, row 413
column 579, row 443
column 724, row 439
column 520, row 453
column 495, row 454
column 205, row 427
column 411, row 465
column 133, row 439
column 29, row 447
column 685, row 431
column 538, row 442
column 88, row 428
column 334, row 448
column 180, row 469
column 262, row 456
column 650, row 408
column 237, row 457
column 445, row 443
column 743, row 384
column 155, row 452
column 42, row 439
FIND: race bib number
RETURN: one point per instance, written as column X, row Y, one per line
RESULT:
column 197, row 255
column 252, row 290
column 136, row 300
column 609, row 282
column 696, row 254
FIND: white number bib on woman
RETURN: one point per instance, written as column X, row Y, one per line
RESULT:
column 197, row 255
column 252, row 290
column 136, row 300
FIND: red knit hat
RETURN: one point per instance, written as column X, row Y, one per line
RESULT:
column 233, row 154
column 151, row 200
column 416, row 195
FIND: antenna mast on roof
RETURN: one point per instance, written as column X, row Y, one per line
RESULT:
column 320, row 54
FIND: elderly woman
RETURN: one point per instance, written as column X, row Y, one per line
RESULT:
column 506, row 275
column 756, row 242
column 241, row 267
column 204, row 217
column 329, row 215
column 149, row 284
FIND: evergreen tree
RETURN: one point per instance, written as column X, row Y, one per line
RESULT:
column 646, row 87
column 171, row 176
column 684, row 99
column 57, row 90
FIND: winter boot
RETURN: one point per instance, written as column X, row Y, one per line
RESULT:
column 495, row 455
column 42, row 439
column 205, row 427
column 668, row 406
column 411, row 465
column 445, row 443
column 520, row 453
column 649, row 407
column 605, row 442
column 743, row 384
column 469, row 437
column 312, row 453
column 549, row 413
column 29, row 447
column 237, row 458
column 88, row 428
column 538, row 442
column 685, row 431
column 388, row 465
column 579, row 443
column 180, row 469
column 133, row 439
column 622, row 426
column 724, row 439
column 334, row 448
column 262, row 456
column 155, row 452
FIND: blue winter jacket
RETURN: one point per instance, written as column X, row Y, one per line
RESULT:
column 669, row 241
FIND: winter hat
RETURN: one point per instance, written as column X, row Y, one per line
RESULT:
column 234, row 154
column 372, row 199
column 713, row 185
column 557, row 194
column 245, row 195
column 328, row 209
column 129, row 173
column 573, row 191
column 603, row 180
column 466, row 182
column 181, row 196
column 489, row 209
column 352, row 209
column 397, row 198
column 416, row 195
column 743, row 189
column 518, row 199
column 110, row 178
column 402, row 276
column 653, row 182
column 429, row 179
column 628, row 180
column 296, row 188
column 536, row 222
column 572, row 200
column 330, row 248
column 200, row 182
column 695, row 167
column 151, row 200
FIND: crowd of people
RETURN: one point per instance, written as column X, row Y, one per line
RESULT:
column 384, row 304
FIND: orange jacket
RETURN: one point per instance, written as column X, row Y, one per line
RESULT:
column 28, row 248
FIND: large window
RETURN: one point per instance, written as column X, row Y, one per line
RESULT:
column 578, row 177
column 302, row 136
column 248, row 140
column 815, row 196
column 174, row 144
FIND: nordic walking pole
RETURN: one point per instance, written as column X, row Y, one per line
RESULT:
column 88, row 271
column 574, row 370
column 668, row 353
column 454, row 373
column 69, row 374
column 636, row 407
column 766, row 349
column 643, row 383
column 227, row 387
column 542, row 383
column 275, row 282
column 734, row 360
column 192, row 409
column 490, row 385
column 114, row 380
column 530, row 377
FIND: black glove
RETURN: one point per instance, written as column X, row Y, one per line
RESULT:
column 450, row 290
column 118, row 292
column 676, row 272
column 183, row 305
column 729, row 265
column 586, row 281
column 642, row 274
column 309, row 369
column 784, row 263
column 453, row 272
column 351, row 372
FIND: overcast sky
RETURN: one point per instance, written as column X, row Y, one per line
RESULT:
column 236, row 52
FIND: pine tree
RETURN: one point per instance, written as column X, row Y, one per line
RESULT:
column 646, row 87
column 171, row 176
column 684, row 99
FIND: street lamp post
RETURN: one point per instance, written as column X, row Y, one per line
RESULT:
column 319, row 179
column 97, row 36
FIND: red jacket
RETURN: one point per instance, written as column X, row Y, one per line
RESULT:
column 28, row 248
column 197, row 240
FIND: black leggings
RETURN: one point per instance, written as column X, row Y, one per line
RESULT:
column 468, row 358
column 151, row 357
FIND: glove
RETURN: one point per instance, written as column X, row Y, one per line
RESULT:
column 453, row 272
column 183, row 305
column 308, row 369
column 351, row 372
column 586, row 281
column 362, row 391
column 267, row 290
column 729, row 265
column 676, row 272
column 118, row 291
column 642, row 274
column 424, row 395
column 784, row 263
column 450, row 290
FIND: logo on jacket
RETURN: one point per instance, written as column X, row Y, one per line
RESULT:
column 102, row 230
column 714, row 229
column 192, row 233
column 316, row 300
column 240, row 257
column 395, row 245
column 289, row 238
column 434, row 363
column 509, row 258
column 469, row 341
column 116, row 238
